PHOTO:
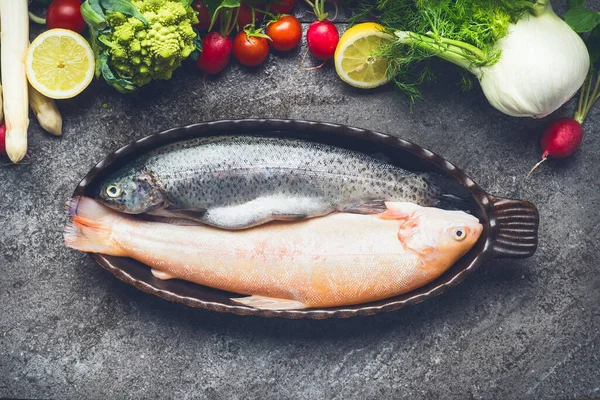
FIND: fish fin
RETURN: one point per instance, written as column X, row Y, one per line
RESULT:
column 365, row 207
column 269, row 303
column 90, row 227
column 265, row 209
column 289, row 217
column 451, row 193
column 188, row 214
column 399, row 210
column 163, row 276
column 169, row 220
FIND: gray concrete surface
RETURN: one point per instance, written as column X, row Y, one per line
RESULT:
column 516, row 329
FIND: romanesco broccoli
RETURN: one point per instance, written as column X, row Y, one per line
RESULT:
column 143, row 43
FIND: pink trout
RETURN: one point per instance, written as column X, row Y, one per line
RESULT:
column 339, row 259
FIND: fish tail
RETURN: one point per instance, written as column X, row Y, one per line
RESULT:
column 90, row 227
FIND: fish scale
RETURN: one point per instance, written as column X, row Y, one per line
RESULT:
column 236, row 182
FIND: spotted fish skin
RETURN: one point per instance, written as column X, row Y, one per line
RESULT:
column 235, row 182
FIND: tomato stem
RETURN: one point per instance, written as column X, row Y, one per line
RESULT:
column 251, row 30
column 268, row 14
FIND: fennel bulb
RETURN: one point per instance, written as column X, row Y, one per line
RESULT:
column 542, row 64
column 528, row 60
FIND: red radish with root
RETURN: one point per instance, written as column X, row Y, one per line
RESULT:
column 560, row 139
column 322, row 35
column 3, row 138
column 217, row 46
column 216, row 52
column 322, row 38
column 563, row 136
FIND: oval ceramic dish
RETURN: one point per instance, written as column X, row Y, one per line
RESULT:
column 510, row 226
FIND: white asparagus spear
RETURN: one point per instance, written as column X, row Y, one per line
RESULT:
column 1, row 105
column 45, row 111
column 15, row 41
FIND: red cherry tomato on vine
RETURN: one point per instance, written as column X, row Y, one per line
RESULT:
column 250, row 50
column 65, row 14
column 203, row 15
column 285, row 33
column 282, row 6
column 216, row 52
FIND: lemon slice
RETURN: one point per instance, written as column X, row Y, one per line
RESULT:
column 355, row 60
column 60, row 63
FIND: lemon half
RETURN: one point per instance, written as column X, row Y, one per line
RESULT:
column 355, row 60
column 60, row 63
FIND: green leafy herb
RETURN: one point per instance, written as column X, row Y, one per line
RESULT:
column 593, row 44
column 121, row 84
column 124, row 7
column 463, row 32
column 581, row 19
column 198, row 44
column 584, row 20
column 575, row 3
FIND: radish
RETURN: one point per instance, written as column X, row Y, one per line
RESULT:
column 3, row 138
column 560, row 139
column 217, row 46
column 322, row 35
column 216, row 52
column 563, row 136
column 322, row 38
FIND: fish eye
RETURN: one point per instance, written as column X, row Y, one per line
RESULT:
column 459, row 234
column 113, row 191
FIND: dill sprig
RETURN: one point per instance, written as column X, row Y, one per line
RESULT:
column 463, row 32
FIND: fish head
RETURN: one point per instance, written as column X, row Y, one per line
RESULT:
column 435, row 234
column 132, row 194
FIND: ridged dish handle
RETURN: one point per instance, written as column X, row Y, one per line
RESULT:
column 514, row 228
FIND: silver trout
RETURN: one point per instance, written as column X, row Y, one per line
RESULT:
column 236, row 182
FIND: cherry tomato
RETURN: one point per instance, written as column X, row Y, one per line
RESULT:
column 285, row 33
column 65, row 14
column 250, row 50
column 216, row 52
column 282, row 6
column 203, row 15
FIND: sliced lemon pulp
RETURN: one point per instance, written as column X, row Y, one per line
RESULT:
column 60, row 63
column 356, row 60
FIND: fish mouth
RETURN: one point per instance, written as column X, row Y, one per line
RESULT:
column 476, row 230
column 111, row 203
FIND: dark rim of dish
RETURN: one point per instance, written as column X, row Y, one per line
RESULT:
column 485, row 208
